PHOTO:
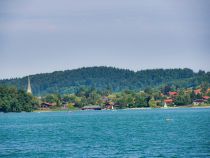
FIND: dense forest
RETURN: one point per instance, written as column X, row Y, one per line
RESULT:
column 103, row 78
column 13, row 100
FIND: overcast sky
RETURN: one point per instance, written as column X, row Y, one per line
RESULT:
column 47, row 35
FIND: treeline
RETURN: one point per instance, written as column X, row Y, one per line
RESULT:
column 13, row 100
column 102, row 78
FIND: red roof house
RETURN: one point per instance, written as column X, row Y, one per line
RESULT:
column 198, row 101
column 197, row 91
column 168, row 101
column 206, row 97
column 172, row 93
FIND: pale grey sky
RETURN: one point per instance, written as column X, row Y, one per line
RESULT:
column 43, row 36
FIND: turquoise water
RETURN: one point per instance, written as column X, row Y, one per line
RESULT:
column 122, row 133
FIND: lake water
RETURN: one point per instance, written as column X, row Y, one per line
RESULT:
column 121, row 133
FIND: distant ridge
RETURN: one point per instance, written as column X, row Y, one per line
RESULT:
column 102, row 78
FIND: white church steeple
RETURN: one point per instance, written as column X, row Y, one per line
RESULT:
column 29, row 91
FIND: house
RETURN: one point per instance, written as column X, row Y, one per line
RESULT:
column 206, row 97
column 198, row 101
column 47, row 105
column 91, row 107
column 109, row 106
column 197, row 91
column 168, row 101
column 172, row 93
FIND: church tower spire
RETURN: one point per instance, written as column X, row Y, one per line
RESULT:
column 29, row 91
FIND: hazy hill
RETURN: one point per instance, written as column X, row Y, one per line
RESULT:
column 108, row 77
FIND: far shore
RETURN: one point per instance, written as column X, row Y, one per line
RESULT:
column 143, row 108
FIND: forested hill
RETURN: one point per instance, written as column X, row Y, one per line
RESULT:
column 108, row 78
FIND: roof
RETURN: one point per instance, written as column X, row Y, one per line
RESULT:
column 199, row 100
column 172, row 93
column 197, row 91
column 168, row 100
column 206, row 97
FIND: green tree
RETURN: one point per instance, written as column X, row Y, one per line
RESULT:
column 140, row 101
column 13, row 100
column 183, row 99
column 152, row 103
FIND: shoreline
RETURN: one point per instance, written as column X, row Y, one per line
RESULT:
column 176, row 107
column 143, row 108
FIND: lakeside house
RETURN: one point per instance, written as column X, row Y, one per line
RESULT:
column 91, row 107
column 168, row 101
column 206, row 97
column 172, row 93
column 203, row 100
column 198, row 101
column 109, row 106
column 47, row 105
